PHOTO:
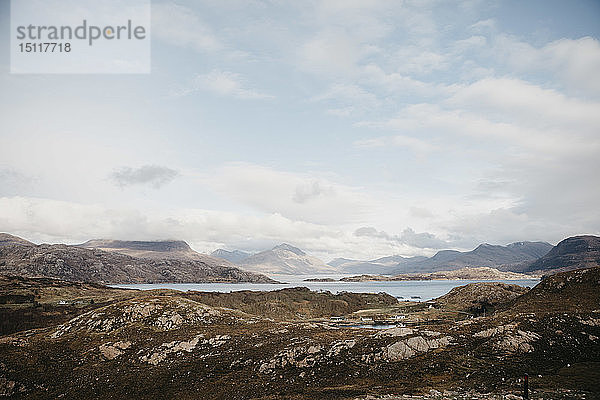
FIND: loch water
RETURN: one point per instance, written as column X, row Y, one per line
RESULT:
column 403, row 290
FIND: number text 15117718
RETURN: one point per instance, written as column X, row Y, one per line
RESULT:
column 45, row 47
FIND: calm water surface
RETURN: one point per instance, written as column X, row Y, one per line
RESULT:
column 409, row 290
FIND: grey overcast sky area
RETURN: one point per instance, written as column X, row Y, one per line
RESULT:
column 348, row 128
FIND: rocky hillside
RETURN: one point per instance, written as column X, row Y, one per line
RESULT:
column 159, row 249
column 293, row 303
column 171, row 345
column 572, row 253
column 9, row 240
column 571, row 291
column 285, row 259
column 30, row 303
column 74, row 263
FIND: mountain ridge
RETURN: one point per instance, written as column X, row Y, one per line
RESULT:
column 155, row 249
column 572, row 253
column 79, row 264
column 233, row 256
column 484, row 255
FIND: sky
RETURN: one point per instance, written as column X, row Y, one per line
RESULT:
column 348, row 128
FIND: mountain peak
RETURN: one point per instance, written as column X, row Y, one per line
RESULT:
column 234, row 256
column 289, row 247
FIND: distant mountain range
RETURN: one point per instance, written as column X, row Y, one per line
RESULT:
column 468, row 273
column 484, row 255
column 77, row 263
column 281, row 259
column 533, row 258
column 116, row 261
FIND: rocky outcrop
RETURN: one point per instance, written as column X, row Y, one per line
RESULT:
column 162, row 352
column 480, row 297
column 293, row 303
column 510, row 339
column 110, row 350
column 518, row 342
column 408, row 348
column 161, row 313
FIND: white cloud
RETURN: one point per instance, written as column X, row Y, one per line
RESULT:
column 528, row 105
column 331, row 53
column 180, row 26
column 416, row 145
column 574, row 61
column 483, row 25
column 307, row 192
column 445, row 124
column 473, row 42
column 298, row 196
column 46, row 220
column 354, row 99
column 418, row 61
column 533, row 153
column 341, row 112
column 409, row 237
column 400, row 84
column 223, row 83
column 154, row 175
